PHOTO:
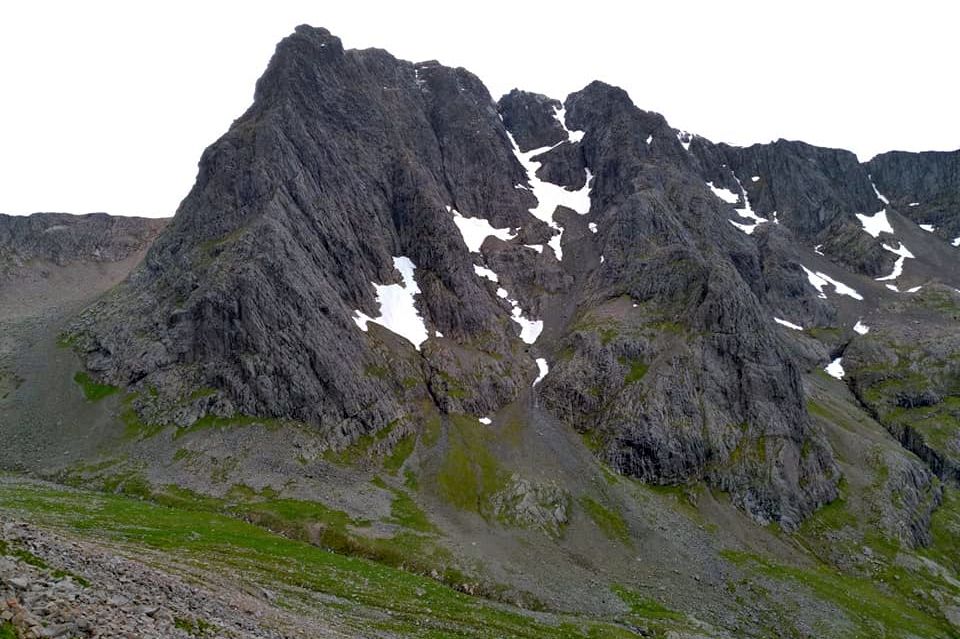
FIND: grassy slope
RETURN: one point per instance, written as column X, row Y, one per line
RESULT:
column 414, row 605
column 882, row 586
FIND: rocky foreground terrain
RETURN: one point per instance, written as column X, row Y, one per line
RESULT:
column 563, row 368
column 60, row 588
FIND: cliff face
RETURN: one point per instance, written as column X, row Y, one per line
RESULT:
column 62, row 239
column 374, row 235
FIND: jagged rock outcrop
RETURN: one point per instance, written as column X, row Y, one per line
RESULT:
column 923, row 186
column 254, row 287
column 60, row 238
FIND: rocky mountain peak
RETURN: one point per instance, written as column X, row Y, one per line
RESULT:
column 587, row 238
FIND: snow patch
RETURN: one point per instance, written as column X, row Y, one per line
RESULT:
column 835, row 369
column 755, row 178
column 816, row 249
column 485, row 272
column 914, row 289
column 649, row 139
column 476, row 229
column 820, row 280
column 529, row 329
column 929, row 228
column 561, row 116
column 536, row 247
column 550, row 196
column 747, row 211
column 904, row 253
column 783, row 322
column 398, row 312
column 554, row 243
column 726, row 195
column 955, row 242
column 876, row 224
column 592, row 226
column 543, row 368
column 914, row 204
column 486, row 421
column 861, row 328
column 685, row 139
column 893, row 287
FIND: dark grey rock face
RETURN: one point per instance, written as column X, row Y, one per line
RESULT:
column 673, row 299
column 345, row 160
column 529, row 117
column 658, row 322
column 809, row 187
column 61, row 238
column 923, row 186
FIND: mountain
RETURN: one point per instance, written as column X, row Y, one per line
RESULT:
column 555, row 354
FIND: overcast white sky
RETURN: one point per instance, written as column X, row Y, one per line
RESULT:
column 107, row 106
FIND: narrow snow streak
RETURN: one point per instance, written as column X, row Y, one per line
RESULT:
column 746, row 211
column 929, row 228
column 783, row 322
column 904, row 253
column 476, row 229
column 876, row 224
column 529, row 329
column 820, row 280
column 543, row 368
column 861, row 328
column 835, row 369
column 398, row 312
column 914, row 289
column 879, row 196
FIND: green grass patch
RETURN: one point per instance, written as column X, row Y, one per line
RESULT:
column 216, row 422
column 404, row 511
column 875, row 611
column 93, row 390
column 609, row 521
column 636, row 371
column 470, row 474
column 360, row 448
column 401, row 451
column 824, row 333
column 7, row 630
column 134, row 428
column 453, row 386
column 643, row 607
column 404, row 602
column 194, row 627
